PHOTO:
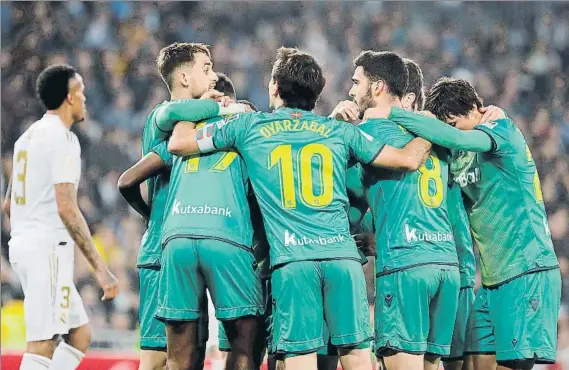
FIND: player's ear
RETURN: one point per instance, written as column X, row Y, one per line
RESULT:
column 273, row 88
column 408, row 100
column 377, row 87
column 183, row 78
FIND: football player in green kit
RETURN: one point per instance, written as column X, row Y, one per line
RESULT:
column 186, row 69
column 418, row 281
column 297, row 163
column 413, row 101
column 503, row 199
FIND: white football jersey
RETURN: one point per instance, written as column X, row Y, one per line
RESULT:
column 45, row 155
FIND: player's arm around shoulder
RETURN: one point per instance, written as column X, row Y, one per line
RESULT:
column 398, row 153
column 224, row 134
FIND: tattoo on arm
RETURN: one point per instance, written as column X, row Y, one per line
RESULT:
column 75, row 223
column 7, row 199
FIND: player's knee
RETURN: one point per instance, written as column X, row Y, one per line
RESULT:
column 44, row 348
column 79, row 338
column 526, row 364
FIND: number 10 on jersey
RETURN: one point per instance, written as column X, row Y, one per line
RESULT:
column 282, row 157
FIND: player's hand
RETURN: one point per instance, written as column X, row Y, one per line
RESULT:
column 225, row 101
column 377, row 112
column 212, row 94
column 109, row 283
column 248, row 108
column 347, row 111
column 366, row 243
column 426, row 113
column 491, row 113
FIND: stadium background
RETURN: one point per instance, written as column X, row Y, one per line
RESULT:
column 517, row 55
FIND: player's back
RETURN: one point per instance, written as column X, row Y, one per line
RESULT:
column 157, row 189
column 297, row 162
column 209, row 197
column 505, row 205
column 46, row 154
column 411, row 218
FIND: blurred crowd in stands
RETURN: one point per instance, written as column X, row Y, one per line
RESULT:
column 517, row 57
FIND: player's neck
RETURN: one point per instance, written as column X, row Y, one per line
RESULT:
column 180, row 94
column 64, row 115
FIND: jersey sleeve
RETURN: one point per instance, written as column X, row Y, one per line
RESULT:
column 387, row 132
column 363, row 147
column 183, row 110
column 223, row 134
column 500, row 133
column 62, row 157
column 441, row 133
column 162, row 151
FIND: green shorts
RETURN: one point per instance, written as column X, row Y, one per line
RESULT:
column 306, row 294
column 415, row 310
column 518, row 320
column 228, row 272
column 460, row 334
column 152, row 331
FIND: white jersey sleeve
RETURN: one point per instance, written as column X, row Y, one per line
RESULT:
column 64, row 158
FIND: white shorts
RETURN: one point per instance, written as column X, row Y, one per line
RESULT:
column 52, row 304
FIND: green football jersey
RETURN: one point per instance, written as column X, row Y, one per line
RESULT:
column 410, row 209
column 157, row 187
column 297, row 162
column 208, row 197
column 505, row 205
column 358, row 212
column 462, row 238
column 154, row 133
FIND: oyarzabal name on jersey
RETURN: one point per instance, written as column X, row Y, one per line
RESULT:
column 292, row 239
column 414, row 235
column 273, row 128
column 205, row 209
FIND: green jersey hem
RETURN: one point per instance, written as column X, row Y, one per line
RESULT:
column 527, row 272
column 315, row 256
column 387, row 272
column 205, row 234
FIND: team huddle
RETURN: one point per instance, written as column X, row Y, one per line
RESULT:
column 280, row 215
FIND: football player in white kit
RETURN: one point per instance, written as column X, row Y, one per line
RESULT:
column 46, row 223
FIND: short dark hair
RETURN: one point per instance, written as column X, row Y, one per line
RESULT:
column 452, row 97
column 52, row 85
column 176, row 54
column 415, row 85
column 225, row 85
column 386, row 66
column 247, row 102
column 299, row 78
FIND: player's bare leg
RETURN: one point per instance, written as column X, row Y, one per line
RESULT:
column 69, row 353
column 308, row 362
column 38, row 355
column 355, row 359
column 152, row 360
column 403, row 361
column 241, row 334
column 182, row 350
column 431, row 361
column 480, row 362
